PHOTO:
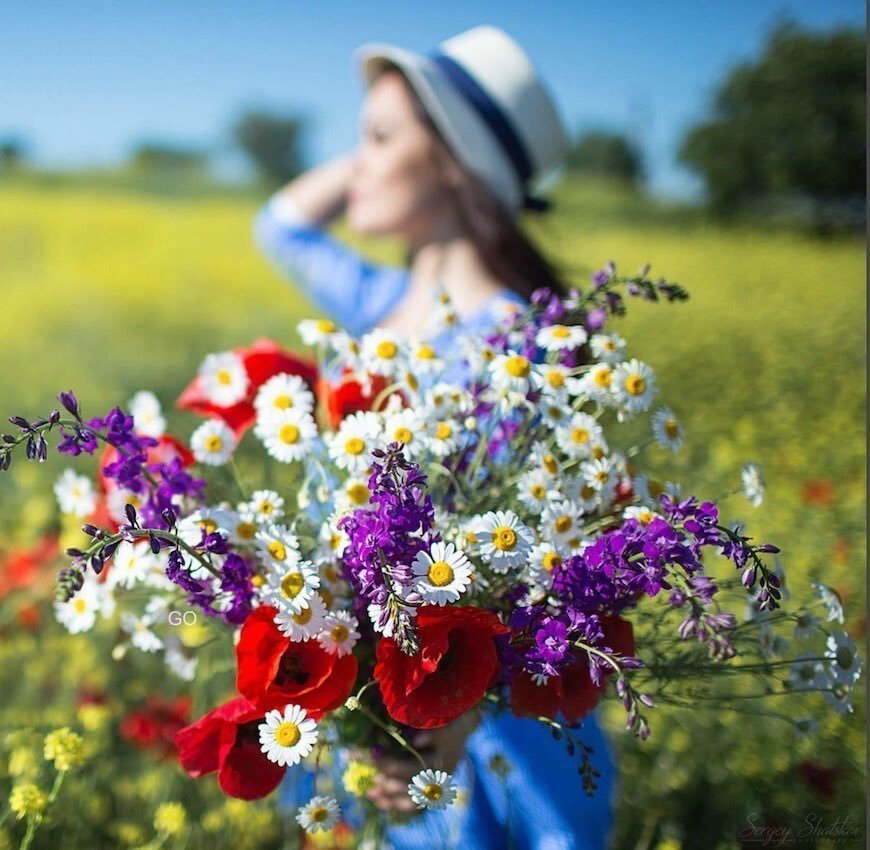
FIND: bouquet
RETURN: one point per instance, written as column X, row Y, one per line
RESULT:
column 460, row 527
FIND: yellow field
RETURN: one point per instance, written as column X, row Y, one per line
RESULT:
column 109, row 292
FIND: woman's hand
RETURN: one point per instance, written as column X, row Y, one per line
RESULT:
column 320, row 194
column 442, row 749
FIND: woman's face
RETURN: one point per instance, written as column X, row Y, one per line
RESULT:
column 398, row 187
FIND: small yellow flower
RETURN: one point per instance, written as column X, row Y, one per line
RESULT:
column 65, row 748
column 359, row 777
column 169, row 818
column 22, row 762
column 28, row 800
column 94, row 716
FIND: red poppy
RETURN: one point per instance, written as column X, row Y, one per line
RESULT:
column 573, row 693
column 274, row 671
column 456, row 663
column 154, row 725
column 346, row 396
column 263, row 360
column 26, row 567
column 226, row 740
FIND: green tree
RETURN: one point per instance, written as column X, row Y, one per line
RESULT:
column 13, row 153
column 607, row 154
column 159, row 157
column 272, row 143
column 789, row 125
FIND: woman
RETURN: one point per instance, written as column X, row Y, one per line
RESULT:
column 451, row 145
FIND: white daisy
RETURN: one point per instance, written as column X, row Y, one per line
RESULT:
column 243, row 525
column 443, row 437
column 282, row 393
column 347, row 350
column 131, row 563
column 267, row 505
column 213, row 443
column 579, row 435
column 845, row 663
column 319, row 813
column 289, row 736
column 641, row 513
column 339, row 633
column 278, row 546
column 432, row 789
column 333, row 541
column 140, row 633
column 543, row 559
column 424, row 359
column 287, row 435
column 554, row 412
column 75, row 494
column 147, row 414
column 544, row 459
column 80, row 613
column 354, row 494
column 447, row 400
column 607, row 347
column 305, row 624
column 806, row 673
column 830, row 600
column 351, row 446
column 223, row 378
column 442, row 574
column 535, row 488
column 560, row 522
column 383, row 352
column 771, row 643
column 601, row 475
column 178, row 661
column 316, row 331
column 753, row 484
column 634, row 386
column 292, row 588
column 406, row 426
column 552, row 379
column 596, row 384
column 583, row 494
column 205, row 520
column 667, row 430
column 504, row 541
column 806, row 625
column 838, row 697
column 511, row 371
column 560, row 337
column 117, row 500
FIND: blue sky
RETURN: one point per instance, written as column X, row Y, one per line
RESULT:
column 90, row 78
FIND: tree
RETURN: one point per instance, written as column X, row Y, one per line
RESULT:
column 607, row 154
column 790, row 125
column 158, row 157
column 13, row 153
column 272, row 143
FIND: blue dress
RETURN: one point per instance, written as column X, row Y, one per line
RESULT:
column 539, row 804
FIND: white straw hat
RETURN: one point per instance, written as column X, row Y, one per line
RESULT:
column 486, row 99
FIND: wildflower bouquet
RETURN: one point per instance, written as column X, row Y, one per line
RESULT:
column 467, row 524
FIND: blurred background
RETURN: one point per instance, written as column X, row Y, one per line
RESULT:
column 723, row 144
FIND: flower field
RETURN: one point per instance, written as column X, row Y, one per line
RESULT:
column 110, row 291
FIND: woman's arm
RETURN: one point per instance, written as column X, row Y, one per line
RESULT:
column 291, row 231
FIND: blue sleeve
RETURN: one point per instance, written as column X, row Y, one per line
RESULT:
column 352, row 291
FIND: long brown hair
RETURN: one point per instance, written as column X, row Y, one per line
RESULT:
column 506, row 251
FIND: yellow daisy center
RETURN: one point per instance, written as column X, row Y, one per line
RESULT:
column 246, row 530
column 224, row 377
column 334, row 541
column 538, row 491
column 209, row 526
column 387, row 350
column 213, row 443
column 339, row 633
column 443, row 431
column 355, row 446
column 587, row 491
column 635, row 385
column 433, row 791
column 672, row 429
column 403, row 435
column 550, row 464
column 563, row 524
column 602, row 476
column 556, row 378
column 579, row 436
column 325, row 326
column 287, row 734
column 258, row 581
column 517, row 366
column 603, row 377
column 597, row 452
column 80, row 606
column 471, row 538
column 292, row 584
column 426, row 352
column 277, row 550
column 488, row 355
column 303, row 617
column 440, row 573
column 560, row 332
column 551, row 561
column 645, row 518
column 504, row 539
column 282, row 402
column 319, row 814
column 655, row 488
column 358, row 493
column 266, row 507
column 289, row 434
